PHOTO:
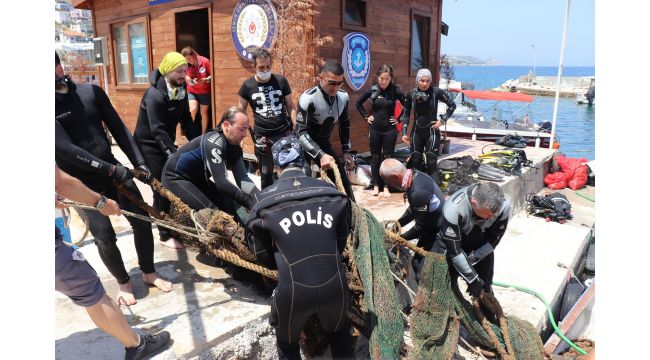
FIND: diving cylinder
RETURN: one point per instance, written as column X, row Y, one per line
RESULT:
column 61, row 220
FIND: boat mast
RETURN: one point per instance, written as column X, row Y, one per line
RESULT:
column 559, row 73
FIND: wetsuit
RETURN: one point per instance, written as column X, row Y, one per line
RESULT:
column 300, row 226
column 83, row 151
column 425, row 207
column 187, row 174
column 469, row 240
column 271, row 119
column 317, row 114
column 424, row 139
column 155, row 132
column 382, row 134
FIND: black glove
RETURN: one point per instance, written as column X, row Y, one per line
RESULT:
column 443, row 118
column 474, row 288
column 121, row 174
column 146, row 177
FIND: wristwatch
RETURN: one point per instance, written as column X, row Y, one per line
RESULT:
column 100, row 203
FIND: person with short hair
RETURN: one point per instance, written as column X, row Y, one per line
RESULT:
column 83, row 150
column 162, row 107
column 426, row 201
column 319, row 108
column 198, row 78
column 274, row 112
column 425, row 132
column 300, row 226
column 382, row 132
column 474, row 220
column 76, row 279
column 187, row 172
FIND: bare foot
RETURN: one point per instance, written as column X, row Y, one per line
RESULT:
column 155, row 280
column 386, row 193
column 375, row 191
column 172, row 243
column 125, row 294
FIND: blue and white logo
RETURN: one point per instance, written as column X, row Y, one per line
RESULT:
column 356, row 59
column 253, row 25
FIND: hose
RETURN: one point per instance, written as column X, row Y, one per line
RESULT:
column 584, row 196
column 550, row 313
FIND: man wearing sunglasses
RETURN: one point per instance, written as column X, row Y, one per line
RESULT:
column 319, row 108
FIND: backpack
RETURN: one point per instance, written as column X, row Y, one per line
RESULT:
column 552, row 207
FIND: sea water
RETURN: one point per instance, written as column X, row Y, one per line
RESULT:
column 575, row 127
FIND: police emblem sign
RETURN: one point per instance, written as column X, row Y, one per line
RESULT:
column 356, row 59
column 253, row 25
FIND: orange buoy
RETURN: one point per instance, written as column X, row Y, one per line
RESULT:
column 556, row 145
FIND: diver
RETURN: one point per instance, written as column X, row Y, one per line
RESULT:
column 425, row 132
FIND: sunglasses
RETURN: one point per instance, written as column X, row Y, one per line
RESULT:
column 334, row 83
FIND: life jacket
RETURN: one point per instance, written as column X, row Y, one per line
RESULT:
column 552, row 207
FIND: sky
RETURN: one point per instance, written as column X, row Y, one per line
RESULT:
column 505, row 29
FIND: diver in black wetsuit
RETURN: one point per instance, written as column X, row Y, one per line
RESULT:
column 163, row 106
column 82, row 150
column 474, row 220
column 319, row 108
column 187, row 172
column 300, row 226
column 425, row 204
column 425, row 132
column 382, row 133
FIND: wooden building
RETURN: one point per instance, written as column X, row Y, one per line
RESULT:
column 404, row 34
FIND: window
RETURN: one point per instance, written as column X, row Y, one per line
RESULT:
column 131, row 52
column 353, row 14
column 420, row 25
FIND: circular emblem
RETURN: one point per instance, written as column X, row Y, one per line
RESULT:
column 253, row 25
column 356, row 59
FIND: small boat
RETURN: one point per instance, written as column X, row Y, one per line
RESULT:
column 469, row 122
column 588, row 97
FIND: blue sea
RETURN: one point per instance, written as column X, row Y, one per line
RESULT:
column 575, row 127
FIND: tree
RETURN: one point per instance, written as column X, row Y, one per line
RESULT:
column 295, row 45
column 446, row 69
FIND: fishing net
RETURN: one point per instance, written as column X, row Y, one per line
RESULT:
column 370, row 257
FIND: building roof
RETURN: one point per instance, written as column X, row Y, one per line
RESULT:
column 81, row 4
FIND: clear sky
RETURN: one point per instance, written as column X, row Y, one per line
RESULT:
column 505, row 29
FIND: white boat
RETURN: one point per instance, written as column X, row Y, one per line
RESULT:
column 588, row 97
column 469, row 122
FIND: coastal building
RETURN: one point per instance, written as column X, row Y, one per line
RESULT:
column 139, row 33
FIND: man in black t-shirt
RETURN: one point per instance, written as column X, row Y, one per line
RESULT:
column 269, row 95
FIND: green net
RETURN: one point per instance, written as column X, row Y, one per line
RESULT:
column 380, row 297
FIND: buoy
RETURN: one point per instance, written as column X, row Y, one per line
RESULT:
column 61, row 221
column 556, row 145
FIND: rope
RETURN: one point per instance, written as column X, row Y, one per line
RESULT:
column 223, row 254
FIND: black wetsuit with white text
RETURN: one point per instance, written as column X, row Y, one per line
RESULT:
column 187, row 174
column 300, row 225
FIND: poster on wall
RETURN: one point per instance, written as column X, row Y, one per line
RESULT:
column 253, row 25
column 356, row 59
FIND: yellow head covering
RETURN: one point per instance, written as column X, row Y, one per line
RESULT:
column 171, row 61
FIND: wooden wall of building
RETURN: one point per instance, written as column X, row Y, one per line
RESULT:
column 388, row 29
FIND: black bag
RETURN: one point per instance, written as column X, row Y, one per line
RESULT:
column 552, row 207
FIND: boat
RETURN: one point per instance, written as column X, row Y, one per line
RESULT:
column 469, row 122
column 588, row 97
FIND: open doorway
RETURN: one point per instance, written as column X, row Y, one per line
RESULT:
column 193, row 29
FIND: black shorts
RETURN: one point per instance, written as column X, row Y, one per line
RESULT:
column 203, row 99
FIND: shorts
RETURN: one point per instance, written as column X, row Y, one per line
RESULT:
column 203, row 99
column 75, row 278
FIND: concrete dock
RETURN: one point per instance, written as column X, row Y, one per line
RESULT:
column 212, row 316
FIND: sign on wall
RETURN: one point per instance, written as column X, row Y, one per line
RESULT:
column 253, row 25
column 156, row 2
column 356, row 59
